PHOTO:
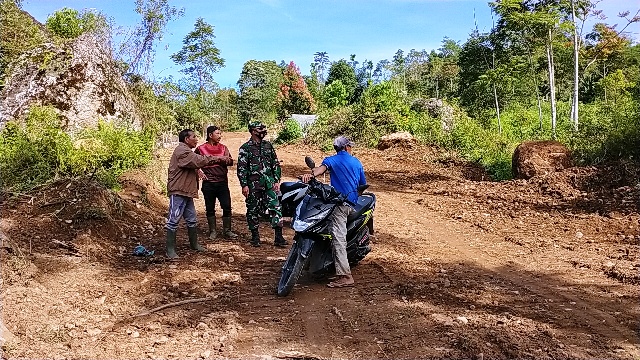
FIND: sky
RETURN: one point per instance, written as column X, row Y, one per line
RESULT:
column 294, row 30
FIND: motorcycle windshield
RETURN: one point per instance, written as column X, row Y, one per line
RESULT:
column 310, row 212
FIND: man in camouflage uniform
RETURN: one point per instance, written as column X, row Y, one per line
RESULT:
column 259, row 174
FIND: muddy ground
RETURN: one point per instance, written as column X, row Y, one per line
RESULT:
column 461, row 267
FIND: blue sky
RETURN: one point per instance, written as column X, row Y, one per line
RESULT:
column 293, row 30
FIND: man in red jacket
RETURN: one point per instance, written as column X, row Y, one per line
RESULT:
column 182, row 188
column 215, row 183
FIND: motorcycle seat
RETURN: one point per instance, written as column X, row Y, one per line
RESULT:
column 285, row 187
column 364, row 204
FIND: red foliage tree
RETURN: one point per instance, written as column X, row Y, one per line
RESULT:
column 294, row 97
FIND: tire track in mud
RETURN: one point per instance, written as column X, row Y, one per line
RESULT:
column 375, row 318
column 313, row 319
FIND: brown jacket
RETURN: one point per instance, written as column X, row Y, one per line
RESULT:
column 183, row 175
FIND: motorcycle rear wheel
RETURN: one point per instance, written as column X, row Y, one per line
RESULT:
column 291, row 269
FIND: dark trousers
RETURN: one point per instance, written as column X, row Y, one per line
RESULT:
column 213, row 191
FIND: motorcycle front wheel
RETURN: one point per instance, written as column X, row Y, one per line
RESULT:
column 292, row 268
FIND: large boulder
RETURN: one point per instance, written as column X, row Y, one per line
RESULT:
column 400, row 139
column 78, row 78
column 533, row 158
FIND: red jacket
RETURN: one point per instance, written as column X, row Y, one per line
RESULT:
column 216, row 172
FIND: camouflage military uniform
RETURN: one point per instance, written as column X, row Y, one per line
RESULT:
column 259, row 168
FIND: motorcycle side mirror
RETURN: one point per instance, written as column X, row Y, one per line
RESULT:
column 309, row 161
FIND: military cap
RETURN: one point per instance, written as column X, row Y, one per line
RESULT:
column 256, row 125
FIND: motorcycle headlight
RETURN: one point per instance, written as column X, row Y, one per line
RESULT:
column 302, row 225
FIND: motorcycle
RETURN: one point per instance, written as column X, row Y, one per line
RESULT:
column 311, row 249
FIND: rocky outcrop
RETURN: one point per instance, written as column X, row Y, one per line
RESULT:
column 436, row 108
column 78, row 78
column 402, row 140
column 533, row 158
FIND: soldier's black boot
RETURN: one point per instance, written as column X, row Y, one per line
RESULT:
column 279, row 240
column 255, row 238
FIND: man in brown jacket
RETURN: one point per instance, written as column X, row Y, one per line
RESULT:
column 182, row 188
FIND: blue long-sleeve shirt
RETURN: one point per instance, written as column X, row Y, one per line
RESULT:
column 347, row 173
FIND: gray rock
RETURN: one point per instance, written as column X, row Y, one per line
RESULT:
column 79, row 78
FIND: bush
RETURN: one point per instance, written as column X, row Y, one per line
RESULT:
column 39, row 150
column 33, row 153
column 291, row 132
column 69, row 23
column 108, row 151
column 487, row 148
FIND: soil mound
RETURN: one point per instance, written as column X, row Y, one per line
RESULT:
column 138, row 188
column 81, row 217
column 400, row 139
column 533, row 158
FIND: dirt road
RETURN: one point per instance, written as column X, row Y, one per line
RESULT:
column 459, row 269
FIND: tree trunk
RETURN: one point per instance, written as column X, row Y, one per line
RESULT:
column 552, row 83
column 495, row 97
column 535, row 82
column 576, row 74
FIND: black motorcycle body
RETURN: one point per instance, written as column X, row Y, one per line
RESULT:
column 314, row 202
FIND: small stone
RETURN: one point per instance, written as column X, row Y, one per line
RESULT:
column 231, row 259
column 206, row 354
column 69, row 325
column 162, row 340
column 68, row 221
column 579, row 235
column 94, row 332
column 447, row 283
column 462, row 319
column 433, row 286
column 135, row 334
column 202, row 326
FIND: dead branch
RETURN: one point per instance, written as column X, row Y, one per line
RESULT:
column 178, row 303
column 53, row 203
column 338, row 314
column 64, row 245
column 12, row 245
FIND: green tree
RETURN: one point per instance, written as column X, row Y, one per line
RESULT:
column 341, row 70
column 321, row 59
column 259, row 88
column 335, row 95
column 475, row 60
column 138, row 49
column 199, row 55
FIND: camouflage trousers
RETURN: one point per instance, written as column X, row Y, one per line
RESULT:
column 259, row 202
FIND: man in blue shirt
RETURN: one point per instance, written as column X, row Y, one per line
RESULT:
column 347, row 174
